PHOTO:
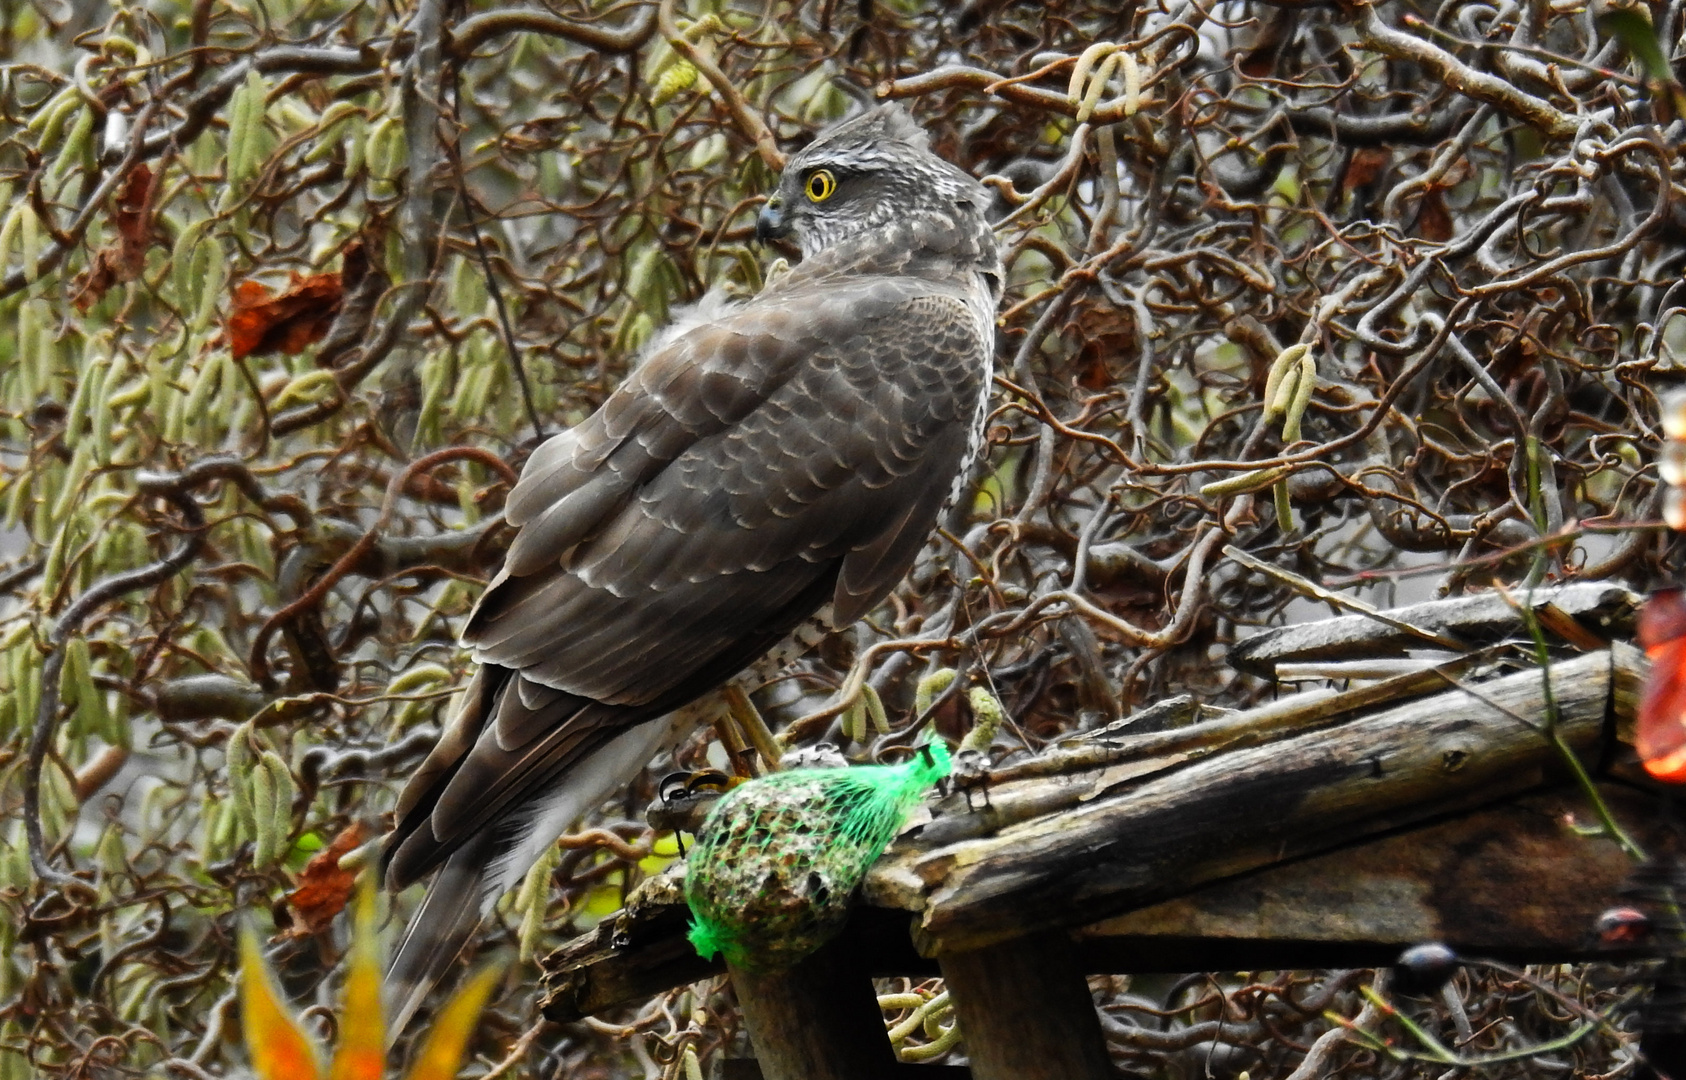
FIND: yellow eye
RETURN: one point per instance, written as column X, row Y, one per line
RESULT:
column 821, row 185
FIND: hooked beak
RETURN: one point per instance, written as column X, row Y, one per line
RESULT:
column 770, row 223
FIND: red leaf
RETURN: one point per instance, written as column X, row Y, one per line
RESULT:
column 132, row 223
column 1366, row 165
column 93, row 283
column 1434, row 220
column 260, row 321
column 1661, row 736
column 324, row 888
column 124, row 260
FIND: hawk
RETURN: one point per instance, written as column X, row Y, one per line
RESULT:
column 765, row 476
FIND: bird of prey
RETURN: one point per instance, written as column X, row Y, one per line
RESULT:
column 766, row 475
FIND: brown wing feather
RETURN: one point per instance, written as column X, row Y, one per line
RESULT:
column 848, row 426
column 792, row 453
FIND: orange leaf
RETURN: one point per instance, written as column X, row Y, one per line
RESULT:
column 323, row 888
column 361, row 1053
column 1661, row 735
column 279, row 1048
column 260, row 321
column 441, row 1054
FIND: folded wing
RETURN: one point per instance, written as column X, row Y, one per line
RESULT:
column 793, row 453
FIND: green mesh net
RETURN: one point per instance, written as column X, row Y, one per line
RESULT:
column 778, row 859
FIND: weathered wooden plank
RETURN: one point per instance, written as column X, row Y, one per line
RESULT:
column 1075, row 771
column 627, row 958
column 645, row 952
column 1165, row 827
column 818, row 1021
column 1233, row 812
column 1605, row 610
column 1025, row 1012
column 1511, row 882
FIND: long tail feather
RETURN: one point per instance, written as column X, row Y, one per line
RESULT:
column 495, row 861
column 438, row 931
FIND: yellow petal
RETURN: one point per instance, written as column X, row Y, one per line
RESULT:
column 441, row 1054
column 279, row 1048
column 361, row 1053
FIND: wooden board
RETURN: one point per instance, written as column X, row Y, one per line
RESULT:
column 1244, row 843
column 1515, row 882
column 1159, row 835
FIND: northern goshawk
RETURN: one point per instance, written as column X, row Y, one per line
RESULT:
column 763, row 477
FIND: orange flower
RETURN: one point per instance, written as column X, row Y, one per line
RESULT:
column 281, row 1050
column 1661, row 739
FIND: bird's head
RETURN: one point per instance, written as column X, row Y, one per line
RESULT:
column 862, row 175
